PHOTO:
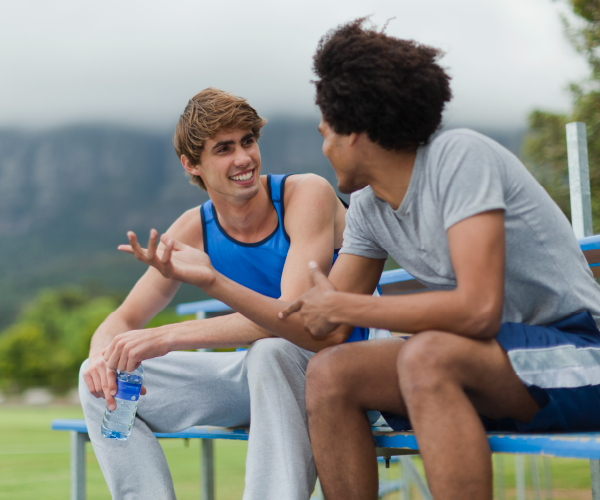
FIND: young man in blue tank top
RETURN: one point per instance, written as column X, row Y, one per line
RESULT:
column 507, row 336
column 260, row 231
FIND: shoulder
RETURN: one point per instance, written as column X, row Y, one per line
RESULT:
column 188, row 228
column 461, row 140
column 308, row 190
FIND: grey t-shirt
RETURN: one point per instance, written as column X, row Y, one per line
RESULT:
column 459, row 174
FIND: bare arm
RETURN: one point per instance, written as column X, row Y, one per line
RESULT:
column 312, row 213
column 473, row 309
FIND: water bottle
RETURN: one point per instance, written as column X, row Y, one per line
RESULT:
column 117, row 424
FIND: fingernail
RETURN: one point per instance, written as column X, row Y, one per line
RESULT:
column 313, row 264
column 113, row 392
column 111, row 407
column 280, row 315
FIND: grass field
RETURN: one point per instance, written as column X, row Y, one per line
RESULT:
column 34, row 460
column 34, row 463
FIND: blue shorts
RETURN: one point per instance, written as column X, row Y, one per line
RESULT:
column 560, row 365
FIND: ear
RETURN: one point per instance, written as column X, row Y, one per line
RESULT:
column 187, row 164
column 353, row 138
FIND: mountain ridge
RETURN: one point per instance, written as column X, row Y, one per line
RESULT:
column 68, row 196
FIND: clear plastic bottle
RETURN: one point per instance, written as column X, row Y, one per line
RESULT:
column 117, row 424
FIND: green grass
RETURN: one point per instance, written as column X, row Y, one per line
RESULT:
column 34, row 460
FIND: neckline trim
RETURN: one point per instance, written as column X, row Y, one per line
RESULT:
column 264, row 240
column 241, row 243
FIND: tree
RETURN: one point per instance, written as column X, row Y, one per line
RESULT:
column 51, row 338
column 544, row 146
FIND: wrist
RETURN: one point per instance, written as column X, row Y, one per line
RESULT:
column 334, row 304
column 167, row 339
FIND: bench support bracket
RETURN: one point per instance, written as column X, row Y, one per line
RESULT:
column 208, row 470
column 78, row 441
column 595, row 473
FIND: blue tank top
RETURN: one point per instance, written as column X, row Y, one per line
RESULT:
column 259, row 265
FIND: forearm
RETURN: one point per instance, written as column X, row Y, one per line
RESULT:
column 233, row 330
column 112, row 326
column 264, row 312
column 448, row 311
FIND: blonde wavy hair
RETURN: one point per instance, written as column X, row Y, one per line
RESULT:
column 206, row 114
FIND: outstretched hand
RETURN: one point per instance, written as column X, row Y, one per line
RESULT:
column 177, row 261
column 315, row 305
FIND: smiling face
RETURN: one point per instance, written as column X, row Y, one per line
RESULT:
column 341, row 153
column 229, row 164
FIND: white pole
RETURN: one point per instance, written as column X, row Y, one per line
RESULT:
column 579, row 180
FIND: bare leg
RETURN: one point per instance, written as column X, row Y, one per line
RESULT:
column 342, row 384
column 446, row 380
column 442, row 379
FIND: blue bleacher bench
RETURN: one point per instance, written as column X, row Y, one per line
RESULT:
column 388, row 443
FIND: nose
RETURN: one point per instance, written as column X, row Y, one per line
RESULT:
column 241, row 159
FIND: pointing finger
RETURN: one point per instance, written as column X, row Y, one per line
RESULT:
column 291, row 309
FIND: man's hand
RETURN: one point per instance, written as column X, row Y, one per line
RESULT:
column 100, row 380
column 315, row 305
column 177, row 261
column 127, row 350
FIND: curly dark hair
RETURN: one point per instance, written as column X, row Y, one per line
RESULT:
column 392, row 89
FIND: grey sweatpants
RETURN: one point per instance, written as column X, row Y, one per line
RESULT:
column 222, row 389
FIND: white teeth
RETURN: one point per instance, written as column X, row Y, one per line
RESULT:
column 244, row 177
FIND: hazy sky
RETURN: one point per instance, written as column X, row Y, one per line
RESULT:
column 139, row 61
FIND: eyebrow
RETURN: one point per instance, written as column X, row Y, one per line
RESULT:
column 230, row 141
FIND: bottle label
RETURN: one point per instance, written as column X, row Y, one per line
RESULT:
column 127, row 391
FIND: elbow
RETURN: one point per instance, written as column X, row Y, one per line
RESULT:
column 321, row 343
column 483, row 323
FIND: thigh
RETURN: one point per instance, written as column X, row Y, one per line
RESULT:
column 481, row 367
column 195, row 388
column 364, row 371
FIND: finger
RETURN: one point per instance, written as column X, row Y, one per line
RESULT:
column 138, row 251
column 152, row 241
column 111, row 389
column 89, row 381
column 123, row 360
column 144, row 391
column 291, row 309
column 132, row 364
column 97, row 383
column 177, row 245
column 107, row 352
column 316, row 275
column 125, row 248
column 112, row 358
column 166, row 256
column 110, row 402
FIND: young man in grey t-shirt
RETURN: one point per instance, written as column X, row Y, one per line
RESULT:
column 507, row 336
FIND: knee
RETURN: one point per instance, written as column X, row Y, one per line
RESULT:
column 327, row 380
column 425, row 363
column 265, row 352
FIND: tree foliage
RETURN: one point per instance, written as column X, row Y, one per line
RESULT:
column 544, row 145
column 51, row 338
